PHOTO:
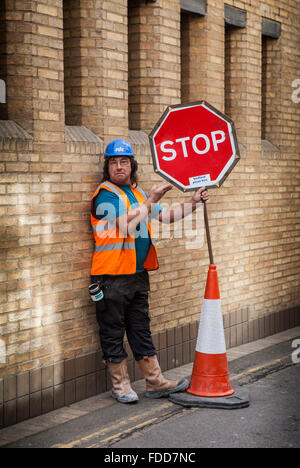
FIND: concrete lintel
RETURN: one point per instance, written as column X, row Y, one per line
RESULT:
column 194, row 6
column 235, row 17
column 271, row 28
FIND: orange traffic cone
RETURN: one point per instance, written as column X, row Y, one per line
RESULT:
column 210, row 376
column 210, row 384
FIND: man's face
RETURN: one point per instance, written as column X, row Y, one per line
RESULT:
column 119, row 169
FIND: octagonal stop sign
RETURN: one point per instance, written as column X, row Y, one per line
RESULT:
column 194, row 145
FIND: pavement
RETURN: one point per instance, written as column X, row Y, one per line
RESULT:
column 102, row 422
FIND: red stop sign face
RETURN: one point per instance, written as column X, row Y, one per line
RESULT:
column 194, row 145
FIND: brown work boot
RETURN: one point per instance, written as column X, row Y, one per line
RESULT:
column 121, row 390
column 156, row 384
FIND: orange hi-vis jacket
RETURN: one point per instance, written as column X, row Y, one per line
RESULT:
column 114, row 253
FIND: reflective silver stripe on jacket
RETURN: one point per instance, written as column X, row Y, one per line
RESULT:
column 112, row 188
column 116, row 246
column 141, row 192
column 100, row 227
column 116, row 191
column 146, row 197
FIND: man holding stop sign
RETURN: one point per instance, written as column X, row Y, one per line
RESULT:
column 125, row 251
column 193, row 146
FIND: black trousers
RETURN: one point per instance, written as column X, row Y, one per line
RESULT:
column 125, row 308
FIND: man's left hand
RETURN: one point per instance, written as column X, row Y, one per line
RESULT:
column 200, row 195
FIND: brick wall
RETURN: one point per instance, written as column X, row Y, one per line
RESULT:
column 67, row 95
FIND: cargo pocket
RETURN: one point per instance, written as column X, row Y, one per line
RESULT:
column 100, row 305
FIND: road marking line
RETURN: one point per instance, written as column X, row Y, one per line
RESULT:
column 255, row 369
column 113, row 426
column 130, row 429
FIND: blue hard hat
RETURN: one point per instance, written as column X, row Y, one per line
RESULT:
column 118, row 147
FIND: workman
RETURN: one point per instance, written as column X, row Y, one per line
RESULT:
column 124, row 253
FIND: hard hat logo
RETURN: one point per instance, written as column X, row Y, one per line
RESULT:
column 118, row 147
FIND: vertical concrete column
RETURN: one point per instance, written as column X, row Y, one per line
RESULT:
column 154, row 60
column 35, row 94
column 243, row 80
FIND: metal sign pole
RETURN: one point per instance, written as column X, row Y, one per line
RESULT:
column 211, row 258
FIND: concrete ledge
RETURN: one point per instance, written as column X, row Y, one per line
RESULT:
column 81, row 140
column 269, row 150
column 81, row 133
column 136, row 137
column 14, row 138
column 12, row 131
column 140, row 145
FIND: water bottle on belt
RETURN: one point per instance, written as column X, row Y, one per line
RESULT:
column 96, row 292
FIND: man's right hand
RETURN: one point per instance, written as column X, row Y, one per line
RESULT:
column 127, row 223
column 156, row 193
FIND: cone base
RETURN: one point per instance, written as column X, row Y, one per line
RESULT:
column 211, row 395
column 240, row 399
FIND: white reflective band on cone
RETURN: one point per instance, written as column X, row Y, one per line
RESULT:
column 211, row 338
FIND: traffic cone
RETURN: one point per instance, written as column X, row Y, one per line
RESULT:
column 210, row 383
column 210, row 376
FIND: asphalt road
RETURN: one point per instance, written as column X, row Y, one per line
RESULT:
column 271, row 420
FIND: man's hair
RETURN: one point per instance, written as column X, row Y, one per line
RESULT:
column 133, row 175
